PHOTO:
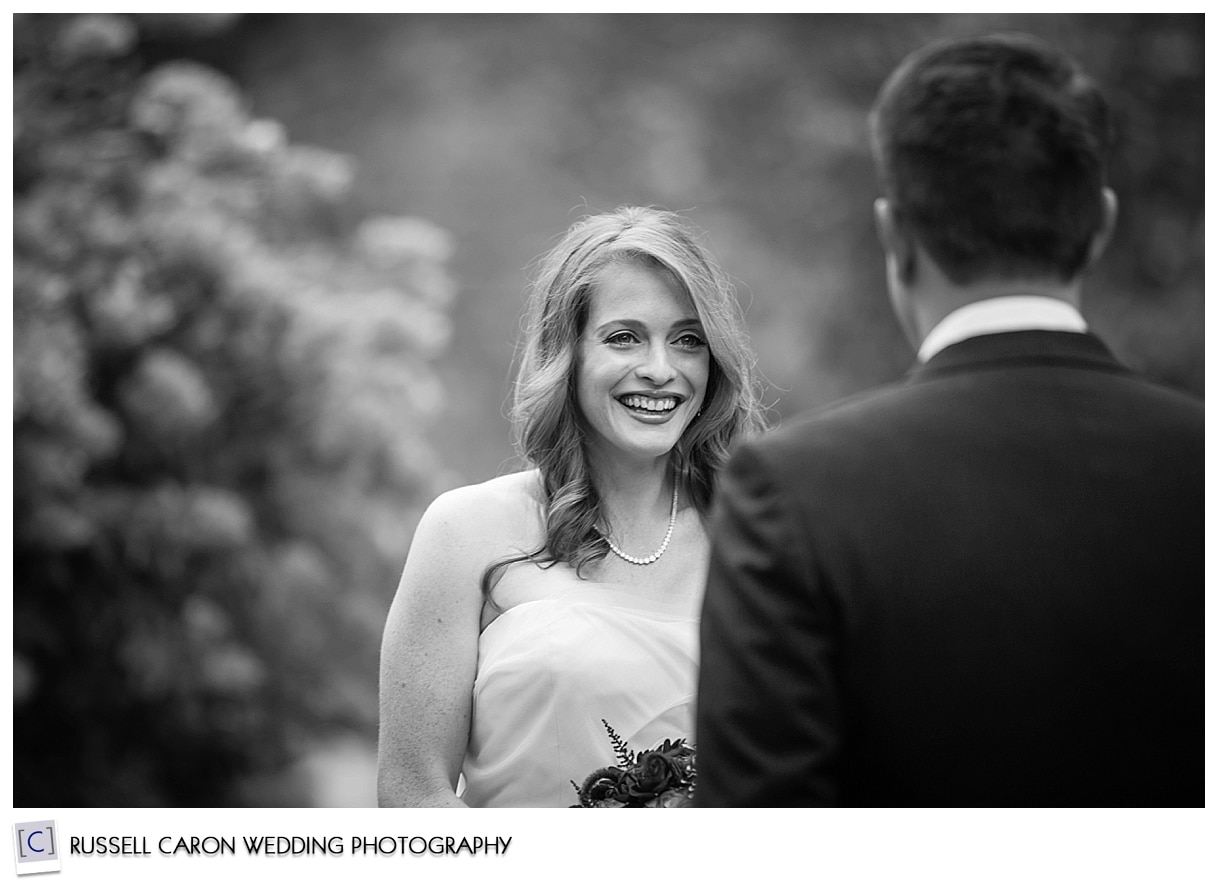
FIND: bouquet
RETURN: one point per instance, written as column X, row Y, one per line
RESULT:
column 662, row 777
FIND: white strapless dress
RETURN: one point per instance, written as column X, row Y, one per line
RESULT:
column 550, row 670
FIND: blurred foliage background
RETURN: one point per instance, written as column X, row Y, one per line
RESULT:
column 268, row 272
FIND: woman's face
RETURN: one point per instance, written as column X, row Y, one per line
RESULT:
column 643, row 363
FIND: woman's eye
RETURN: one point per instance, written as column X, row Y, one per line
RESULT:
column 690, row 341
column 621, row 338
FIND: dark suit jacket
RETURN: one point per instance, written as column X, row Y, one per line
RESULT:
column 980, row 586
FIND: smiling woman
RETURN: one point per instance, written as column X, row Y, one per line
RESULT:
column 635, row 379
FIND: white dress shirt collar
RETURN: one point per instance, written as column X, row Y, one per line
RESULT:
column 998, row 315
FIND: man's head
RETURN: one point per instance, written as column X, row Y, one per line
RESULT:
column 991, row 154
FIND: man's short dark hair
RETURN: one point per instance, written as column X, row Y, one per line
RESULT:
column 992, row 151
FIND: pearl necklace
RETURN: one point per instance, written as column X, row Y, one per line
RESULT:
column 653, row 557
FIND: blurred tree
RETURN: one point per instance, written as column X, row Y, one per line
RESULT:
column 222, row 381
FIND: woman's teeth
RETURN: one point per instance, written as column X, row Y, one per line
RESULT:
column 656, row 405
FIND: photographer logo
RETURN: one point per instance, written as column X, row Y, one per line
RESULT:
column 36, row 847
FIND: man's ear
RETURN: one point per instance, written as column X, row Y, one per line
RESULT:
column 1103, row 235
column 894, row 239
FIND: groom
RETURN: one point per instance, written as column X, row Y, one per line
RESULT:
column 982, row 585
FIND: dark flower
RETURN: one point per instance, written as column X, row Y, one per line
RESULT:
column 601, row 788
column 680, row 798
column 655, row 773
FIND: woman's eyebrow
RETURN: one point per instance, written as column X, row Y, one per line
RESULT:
column 632, row 324
column 636, row 325
column 691, row 322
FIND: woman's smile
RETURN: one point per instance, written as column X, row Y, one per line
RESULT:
column 650, row 405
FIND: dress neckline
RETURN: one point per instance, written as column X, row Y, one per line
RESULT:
column 599, row 594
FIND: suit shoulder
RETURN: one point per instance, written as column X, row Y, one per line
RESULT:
column 1181, row 401
column 825, row 425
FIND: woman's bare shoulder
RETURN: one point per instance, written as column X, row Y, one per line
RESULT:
column 503, row 509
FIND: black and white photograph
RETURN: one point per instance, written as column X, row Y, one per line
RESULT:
column 607, row 410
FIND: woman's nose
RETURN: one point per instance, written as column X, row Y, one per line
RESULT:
column 656, row 368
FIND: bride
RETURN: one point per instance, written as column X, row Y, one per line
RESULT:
column 536, row 604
